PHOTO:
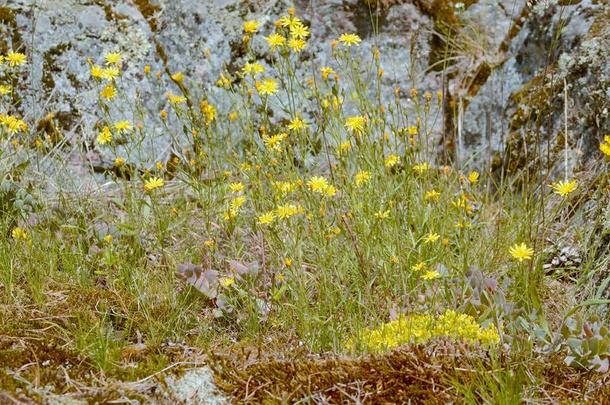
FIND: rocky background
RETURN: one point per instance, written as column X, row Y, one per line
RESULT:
column 504, row 76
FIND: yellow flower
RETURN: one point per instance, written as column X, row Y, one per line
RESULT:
column 226, row 282
column 299, row 31
column 177, row 77
column 123, row 126
column 236, row 187
column 355, row 123
column 109, row 73
column 5, row 89
column 13, row 124
column 108, row 92
column 274, row 142
column 287, row 211
column 253, row 69
column 412, row 130
column 382, row 214
column 564, row 188
column 105, row 136
column 266, row 218
column 118, row 162
column 275, row 40
column 419, row 266
column 209, row 243
column 317, row 184
column 113, row 58
column 432, row 195
column 605, row 145
column 430, row 275
column 208, row 110
column 251, row 26
column 19, row 234
column 350, row 39
column 174, row 99
column 473, row 177
column 237, row 203
column 391, row 161
column 296, row 124
column 362, row 178
column 420, row 328
column 266, row 87
column 326, row 72
column 421, row 167
column 153, row 183
column 521, row 252
column 344, row 147
column 431, row 237
column 97, row 72
column 15, row 59
column 297, row 44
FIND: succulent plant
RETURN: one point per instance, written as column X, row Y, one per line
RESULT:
column 588, row 343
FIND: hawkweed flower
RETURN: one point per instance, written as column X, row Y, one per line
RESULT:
column 19, row 234
column 174, row 99
column 253, row 69
column 177, row 77
column 431, row 237
column 326, row 71
column 563, row 188
column 236, row 187
column 350, row 39
column 391, row 161
column 382, row 214
column 266, row 87
column 604, row 146
column 355, row 123
column 251, row 26
column 297, row 124
column 113, row 58
column 275, row 40
column 421, row 167
column 266, row 218
column 105, row 136
column 5, row 89
column 297, row 44
column 521, row 252
column 123, row 126
column 108, row 92
column 432, row 195
column 14, row 59
column 362, row 178
column 430, row 275
column 110, row 73
column 153, row 183
column 473, row 177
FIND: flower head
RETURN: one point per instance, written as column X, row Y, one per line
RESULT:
column 123, row 126
column 105, row 136
column 355, row 123
column 266, row 87
column 350, row 39
column 251, row 26
column 521, row 252
column 430, row 275
column 391, row 161
column 605, row 146
column 362, row 178
column 266, row 218
column 108, row 92
column 113, row 58
column 564, row 188
column 153, row 183
column 275, row 40
column 15, row 59
column 431, row 237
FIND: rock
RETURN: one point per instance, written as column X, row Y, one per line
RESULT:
column 507, row 75
column 195, row 386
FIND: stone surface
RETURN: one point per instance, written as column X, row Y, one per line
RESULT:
column 507, row 75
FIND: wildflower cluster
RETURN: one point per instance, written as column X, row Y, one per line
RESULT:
column 422, row 328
